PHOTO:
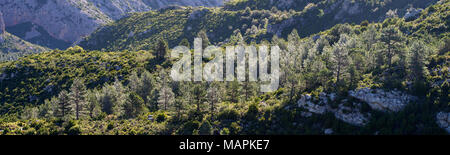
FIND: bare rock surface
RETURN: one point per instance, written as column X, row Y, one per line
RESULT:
column 2, row 24
column 383, row 100
column 443, row 120
column 69, row 20
column 351, row 115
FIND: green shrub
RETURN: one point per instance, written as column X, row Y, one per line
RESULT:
column 161, row 117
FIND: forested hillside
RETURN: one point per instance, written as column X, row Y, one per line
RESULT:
column 142, row 30
column 374, row 77
column 12, row 47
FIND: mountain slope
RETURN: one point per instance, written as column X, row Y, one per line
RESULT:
column 141, row 30
column 62, row 22
column 319, row 102
column 46, row 74
column 12, row 47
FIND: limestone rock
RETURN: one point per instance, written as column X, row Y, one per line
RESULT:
column 412, row 14
column 443, row 120
column 321, row 105
column 2, row 24
column 328, row 131
column 350, row 115
column 69, row 20
column 306, row 103
column 381, row 100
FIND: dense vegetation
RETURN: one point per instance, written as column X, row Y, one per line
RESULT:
column 142, row 30
column 129, row 92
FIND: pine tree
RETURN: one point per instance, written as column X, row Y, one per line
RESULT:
column 391, row 37
column 143, row 85
column 179, row 106
column 135, row 83
column 166, row 95
column 233, row 91
column 112, row 97
column 205, row 41
column 133, row 106
column 64, row 107
column 77, row 96
column 213, row 96
column 199, row 93
column 93, row 105
column 417, row 63
column 292, row 64
column 49, row 108
column 147, row 85
column 161, row 49
column 340, row 58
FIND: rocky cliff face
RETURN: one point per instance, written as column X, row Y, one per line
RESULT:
column 69, row 20
column 2, row 24
column 63, row 19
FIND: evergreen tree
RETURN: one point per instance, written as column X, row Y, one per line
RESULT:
column 161, row 49
column 340, row 58
column 291, row 64
column 391, row 37
column 64, row 107
column 48, row 109
column 417, row 65
column 179, row 106
column 213, row 96
column 112, row 98
column 135, row 83
column 166, row 95
column 205, row 41
column 199, row 93
column 77, row 96
column 233, row 91
column 134, row 106
column 93, row 106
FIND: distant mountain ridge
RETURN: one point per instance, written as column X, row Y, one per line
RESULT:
column 68, row 20
column 12, row 47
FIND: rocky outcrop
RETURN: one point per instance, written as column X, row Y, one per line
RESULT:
column 381, row 100
column 2, row 24
column 278, row 28
column 116, row 9
column 412, row 13
column 63, row 19
column 347, row 7
column 307, row 102
column 351, row 115
column 443, row 120
column 328, row 131
column 157, row 4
